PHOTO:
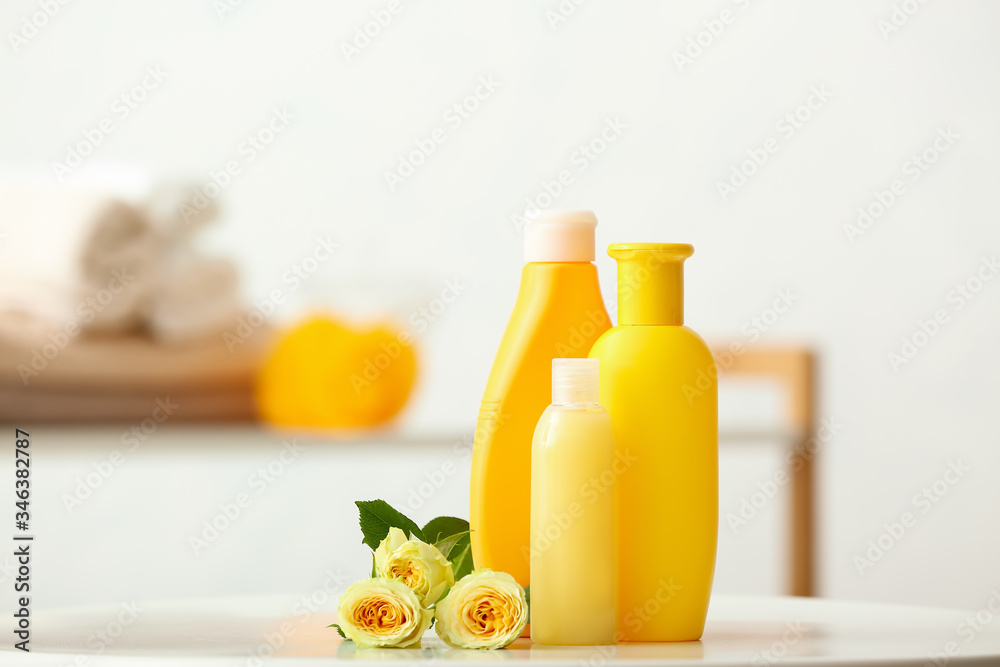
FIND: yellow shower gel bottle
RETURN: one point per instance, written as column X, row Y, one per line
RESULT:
column 658, row 384
column 559, row 312
column 574, row 546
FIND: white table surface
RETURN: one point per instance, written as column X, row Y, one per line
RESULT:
column 740, row 631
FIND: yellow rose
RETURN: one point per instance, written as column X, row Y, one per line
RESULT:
column 486, row 609
column 382, row 612
column 417, row 564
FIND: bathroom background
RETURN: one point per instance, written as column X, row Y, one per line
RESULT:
column 834, row 165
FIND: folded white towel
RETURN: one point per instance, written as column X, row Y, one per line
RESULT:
column 110, row 266
column 119, row 264
column 194, row 296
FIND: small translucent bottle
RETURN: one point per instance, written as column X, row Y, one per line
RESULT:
column 574, row 543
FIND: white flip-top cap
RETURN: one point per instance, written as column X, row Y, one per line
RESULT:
column 560, row 236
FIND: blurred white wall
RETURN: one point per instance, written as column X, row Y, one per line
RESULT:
column 885, row 86
column 222, row 510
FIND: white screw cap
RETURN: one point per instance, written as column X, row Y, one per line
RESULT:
column 575, row 381
column 560, row 236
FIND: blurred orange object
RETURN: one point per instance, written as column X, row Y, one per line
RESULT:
column 325, row 373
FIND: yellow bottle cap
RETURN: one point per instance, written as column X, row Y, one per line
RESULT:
column 651, row 282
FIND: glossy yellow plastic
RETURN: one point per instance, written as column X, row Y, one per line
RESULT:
column 658, row 383
column 559, row 312
column 574, row 558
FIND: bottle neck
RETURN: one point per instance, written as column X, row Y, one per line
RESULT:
column 651, row 283
column 576, row 402
column 565, row 275
column 575, row 382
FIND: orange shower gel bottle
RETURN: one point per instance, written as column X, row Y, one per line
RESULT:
column 559, row 312
column 657, row 382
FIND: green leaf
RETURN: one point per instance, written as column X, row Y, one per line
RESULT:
column 447, row 545
column 460, row 556
column 339, row 631
column 444, row 526
column 451, row 536
column 527, row 599
column 456, row 547
column 377, row 517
